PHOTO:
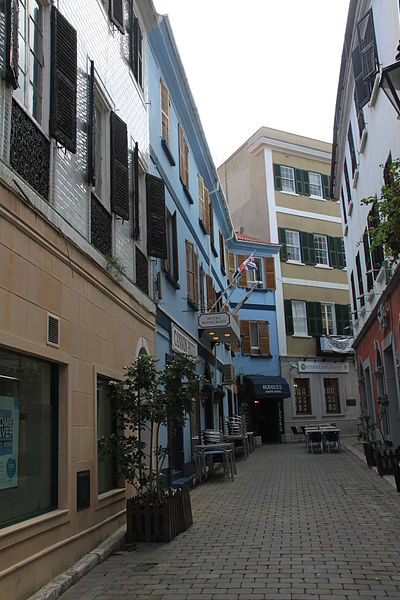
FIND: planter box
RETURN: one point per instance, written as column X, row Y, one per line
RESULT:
column 369, row 454
column 148, row 520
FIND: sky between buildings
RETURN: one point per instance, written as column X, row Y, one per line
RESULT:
column 259, row 62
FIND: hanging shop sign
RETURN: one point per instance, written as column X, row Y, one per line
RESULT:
column 310, row 366
column 180, row 342
column 9, row 432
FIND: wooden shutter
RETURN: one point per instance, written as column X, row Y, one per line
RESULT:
column 206, row 209
column 243, row 276
column 11, row 42
column 182, row 171
column 269, row 268
column 277, row 177
column 245, row 337
column 332, row 251
column 234, row 345
column 195, row 279
column 307, row 248
column 221, row 251
column 210, row 291
column 190, row 270
column 137, row 52
column 366, row 36
column 156, row 222
column 263, row 331
column 164, row 112
column 212, row 222
column 200, row 193
column 326, row 186
column 117, row 14
column 119, row 166
column 288, row 317
column 282, row 241
column 175, row 247
column 136, row 221
column 91, row 167
column 314, row 318
column 231, row 266
column 362, row 93
column 63, row 81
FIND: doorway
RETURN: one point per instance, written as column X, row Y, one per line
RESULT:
column 267, row 420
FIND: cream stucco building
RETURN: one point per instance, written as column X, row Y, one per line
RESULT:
column 277, row 187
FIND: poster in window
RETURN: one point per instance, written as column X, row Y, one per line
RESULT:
column 9, row 431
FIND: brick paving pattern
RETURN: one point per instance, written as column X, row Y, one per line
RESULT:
column 292, row 526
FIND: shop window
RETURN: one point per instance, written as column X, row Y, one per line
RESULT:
column 28, row 437
column 302, row 396
column 332, row 401
column 107, row 471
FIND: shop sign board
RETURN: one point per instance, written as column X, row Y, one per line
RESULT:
column 210, row 320
column 310, row 366
column 180, row 342
column 9, row 432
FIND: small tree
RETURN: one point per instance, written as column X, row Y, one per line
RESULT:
column 143, row 402
column 384, row 226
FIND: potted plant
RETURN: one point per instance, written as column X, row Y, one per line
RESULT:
column 146, row 400
column 366, row 434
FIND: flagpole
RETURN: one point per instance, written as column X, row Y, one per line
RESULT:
column 240, row 271
column 244, row 299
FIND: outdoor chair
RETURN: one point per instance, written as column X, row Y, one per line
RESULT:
column 295, row 432
column 315, row 440
column 332, row 440
column 208, row 457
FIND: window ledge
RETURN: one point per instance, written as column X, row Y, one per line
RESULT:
column 187, row 193
column 214, row 251
column 350, row 209
column 168, row 152
column 47, row 517
column 192, row 304
column 295, row 262
column 301, row 335
column 171, row 279
column 381, row 274
column 223, row 270
column 109, row 497
column 371, row 295
column 345, row 230
column 363, row 140
column 267, row 356
column 318, row 266
column 355, row 178
column 202, row 226
column 375, row 90
column 288, row 193
column 312, row 197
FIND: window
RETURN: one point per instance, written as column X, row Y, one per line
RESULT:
column 107, row 471
column 360, row 280
column 368, row 263
column 343, row 207
column 183, row 158
column 255, row 338
column 30, row 62
column 353, row 295
column 137, row 52
column 299, row 317
column 328, row 319
column 28, row 437
column 293, row 245
column 315, row 185
column 101, row 138
column 222, row 252
column 255, row 275
column 171, row 264
column 332, row 402
column 191, row 274
column 204, row 209
column 347, row 182
column 321, row 250
column 165, row 133
column 287, row 179
column 368, row 50
column 353, row 158
column 302, row 396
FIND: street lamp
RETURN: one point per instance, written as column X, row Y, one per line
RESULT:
column 390, row 82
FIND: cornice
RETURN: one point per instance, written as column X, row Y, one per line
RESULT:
column 297, row 149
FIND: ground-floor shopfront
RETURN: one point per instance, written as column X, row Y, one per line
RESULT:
column 66, row 329
column 322, row 390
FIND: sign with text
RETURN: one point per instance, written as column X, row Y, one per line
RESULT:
column 9, row 432
column 310, row 366
column 180, row 342
column 210, row 320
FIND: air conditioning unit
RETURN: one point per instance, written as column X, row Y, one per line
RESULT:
column 228, row 374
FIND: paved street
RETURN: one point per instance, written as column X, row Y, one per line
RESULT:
column 291, row 526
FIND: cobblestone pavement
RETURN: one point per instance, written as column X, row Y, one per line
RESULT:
column 292, row 526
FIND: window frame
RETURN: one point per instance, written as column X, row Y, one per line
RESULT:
column 251, row 274
column 191, row 274
column 332, row 402
column 299, row 318
column 171, row 264
column 291, row 189
column 296, row 246
column 328, row 321
column 101, row 150
column 112, row 464
column 165, row 114
column 320, row 251
column 302, row 400
column 320, row 195
column 183, row 158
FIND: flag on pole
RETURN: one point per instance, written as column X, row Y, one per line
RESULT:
column 249, row 264
column 244, row 299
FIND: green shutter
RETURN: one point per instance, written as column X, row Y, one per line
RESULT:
column 340, row 253
column 306, row 183
column 277, row 177
column 314, row 318
column 326, row 186
column 342, row 312
column 332, row 249
column 298, row 175
column 282, row 241
column 307, row 248
column 288, row 317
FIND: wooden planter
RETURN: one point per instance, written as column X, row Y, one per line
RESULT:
column 148, row 520
column 369, row 454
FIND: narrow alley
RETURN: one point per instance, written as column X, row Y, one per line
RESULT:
column 292, row 526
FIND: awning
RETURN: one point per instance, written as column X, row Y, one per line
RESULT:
column 261, row 386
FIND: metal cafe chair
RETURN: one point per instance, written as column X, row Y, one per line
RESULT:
column 332, row 440
column 315, row 440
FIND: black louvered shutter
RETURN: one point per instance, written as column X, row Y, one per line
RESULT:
column 326, row 186
column 340, row 253
column 362, row 92
column 277, row 177
column 119, row 167
column 288, row 317
column 156, row 222
column 368, row 264
column 332, row 249
column 314, row 318
column 137, row 51
column 306, row 183
column 298, row 175
column 91, row 129
column 282, row 241
column 11, row 50
column 136, row 225
column 369, row 55
column 63, row 81
column 117, row 14
column 340, row 311
column 307, row 248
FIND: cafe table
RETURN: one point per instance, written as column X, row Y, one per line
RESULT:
column 203, row 451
